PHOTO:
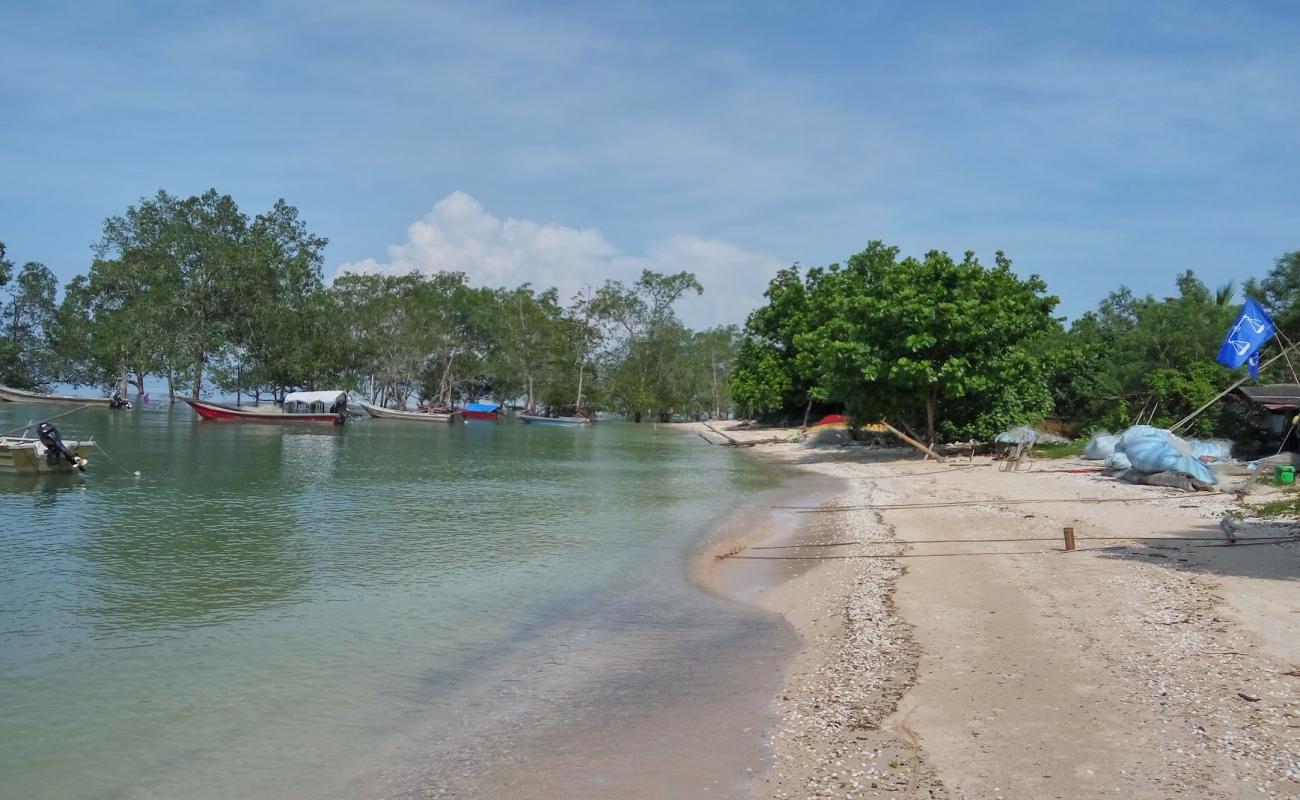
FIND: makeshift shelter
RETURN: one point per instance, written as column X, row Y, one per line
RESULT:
column 1279, row 402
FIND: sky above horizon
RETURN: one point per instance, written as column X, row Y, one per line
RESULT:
column 1096, row 144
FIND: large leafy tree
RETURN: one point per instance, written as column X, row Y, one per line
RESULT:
column 955, row 341
column 769, row 374
column 26, row 316
column 647, row 342
column 198, row 247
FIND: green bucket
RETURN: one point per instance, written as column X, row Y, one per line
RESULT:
column 1285, row 474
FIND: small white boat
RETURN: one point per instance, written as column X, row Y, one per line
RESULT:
column 27, row 455
column 533, row 419
column 412, row 416
column 10, row 395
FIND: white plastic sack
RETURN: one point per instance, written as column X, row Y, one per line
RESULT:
column 1101, row 446
column 1155, row 450
column 1118, row 461
column 1218, row 449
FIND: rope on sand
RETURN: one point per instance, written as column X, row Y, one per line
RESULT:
column 990, row 501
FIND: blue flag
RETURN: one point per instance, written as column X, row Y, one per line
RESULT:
column 1247, row 335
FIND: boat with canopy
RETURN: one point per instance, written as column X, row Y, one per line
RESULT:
column 324, row 406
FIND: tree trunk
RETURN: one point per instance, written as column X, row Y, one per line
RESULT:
column 171, row 387
column 125, row 380
column 931, row 410
column 807, row 412
column 582, row 366
column 198, row 373
column 139, row 384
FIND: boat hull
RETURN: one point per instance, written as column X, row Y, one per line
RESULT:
column 223, row 413
column 484, row 415
column 26, row 456
column 20, row 396
column 377, row 412
column 571, row 422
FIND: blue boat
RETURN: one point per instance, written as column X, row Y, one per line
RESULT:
column 488, row 411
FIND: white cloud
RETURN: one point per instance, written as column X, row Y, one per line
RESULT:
column 459, row 235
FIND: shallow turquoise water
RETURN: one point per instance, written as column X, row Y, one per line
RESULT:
column 270, row 611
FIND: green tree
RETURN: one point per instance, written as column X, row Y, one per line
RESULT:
column 204, row 269
column 769, row 374
column 886, row 336
column 646, row 341
column 28, row 359
column 1145, row 358
column 1279, row 293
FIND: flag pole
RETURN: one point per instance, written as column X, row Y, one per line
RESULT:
column 1220, row 395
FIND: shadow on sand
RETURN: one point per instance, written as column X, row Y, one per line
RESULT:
column 1258, row 553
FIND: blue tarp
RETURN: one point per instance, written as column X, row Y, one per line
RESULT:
column 482, row 407
column 1155, row 450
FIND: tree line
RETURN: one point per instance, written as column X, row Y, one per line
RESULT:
column 964, row 350
column 193, row 292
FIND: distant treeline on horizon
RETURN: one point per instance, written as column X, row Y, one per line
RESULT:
column 193, row 292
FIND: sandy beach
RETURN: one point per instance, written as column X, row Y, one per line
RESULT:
column 952, row 648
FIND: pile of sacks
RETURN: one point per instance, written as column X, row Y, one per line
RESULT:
column 1144, row 454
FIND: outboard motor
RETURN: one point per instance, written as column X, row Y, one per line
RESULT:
column 55, row 448
column 340, row 408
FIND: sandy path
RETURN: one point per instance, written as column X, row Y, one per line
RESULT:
column 1112, row 671
column 971, row 668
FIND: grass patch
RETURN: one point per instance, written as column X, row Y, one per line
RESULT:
column 1285, row 507
column 1061, row 450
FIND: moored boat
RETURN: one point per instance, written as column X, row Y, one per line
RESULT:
column 326, row 407
column 484, row 411
column 533, row 419
column 10, row 395
column 379, row 412
column 28, row 455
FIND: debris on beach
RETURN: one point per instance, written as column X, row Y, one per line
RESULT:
column 1152, row 456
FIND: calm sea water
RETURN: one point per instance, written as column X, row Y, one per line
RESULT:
column 271, row 611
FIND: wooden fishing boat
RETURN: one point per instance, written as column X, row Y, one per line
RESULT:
column 323, row 407
column 483, row 411
column 411, row 416
column 20, row 396
column 24, row 455
column 532, row 419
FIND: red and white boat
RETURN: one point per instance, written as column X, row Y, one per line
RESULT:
column 325, row 407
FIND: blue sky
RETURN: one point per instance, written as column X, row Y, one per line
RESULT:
column 1097, row 144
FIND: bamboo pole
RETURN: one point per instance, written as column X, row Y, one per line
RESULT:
column 914, row 443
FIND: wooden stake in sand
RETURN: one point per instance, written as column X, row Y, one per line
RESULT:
column 1069, row 539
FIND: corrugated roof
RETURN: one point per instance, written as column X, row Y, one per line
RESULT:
column 1273, row 394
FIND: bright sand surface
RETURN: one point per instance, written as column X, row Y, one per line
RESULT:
column 953, row 649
